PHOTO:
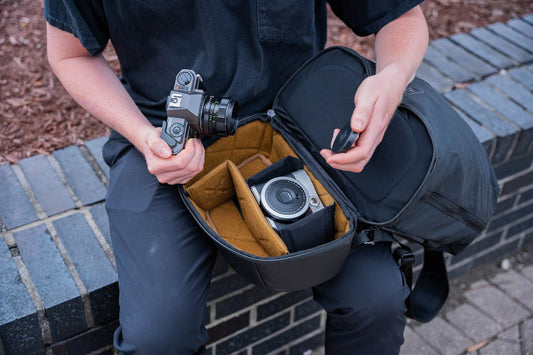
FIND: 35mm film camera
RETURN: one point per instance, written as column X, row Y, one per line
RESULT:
column 191, row 112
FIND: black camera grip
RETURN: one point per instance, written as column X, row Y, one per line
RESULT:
column 175, row 132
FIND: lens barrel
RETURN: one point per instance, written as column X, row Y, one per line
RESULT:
column 218, row 116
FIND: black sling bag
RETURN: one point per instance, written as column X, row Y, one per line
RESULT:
column 429, row 182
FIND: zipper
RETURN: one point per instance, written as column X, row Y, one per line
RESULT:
column 265, row 117
column 443, row 203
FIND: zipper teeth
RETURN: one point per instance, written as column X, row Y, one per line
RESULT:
column 438, row 200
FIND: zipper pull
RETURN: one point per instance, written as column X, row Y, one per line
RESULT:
column 271, row 114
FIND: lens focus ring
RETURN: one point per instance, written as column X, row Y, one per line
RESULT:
column 218, row 116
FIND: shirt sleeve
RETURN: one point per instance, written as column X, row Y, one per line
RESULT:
column 85, row 19
column 366, row 17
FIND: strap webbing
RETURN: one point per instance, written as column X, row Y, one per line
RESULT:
column 431, row 289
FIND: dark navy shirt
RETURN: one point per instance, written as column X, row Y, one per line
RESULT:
column 243, row 49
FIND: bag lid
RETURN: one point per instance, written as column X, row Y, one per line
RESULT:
column 319, row 97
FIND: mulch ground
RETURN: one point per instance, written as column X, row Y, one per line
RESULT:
column 38, row 116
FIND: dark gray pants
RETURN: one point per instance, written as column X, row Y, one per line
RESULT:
column 165, row 264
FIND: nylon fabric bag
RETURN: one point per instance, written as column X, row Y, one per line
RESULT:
column 429, row 181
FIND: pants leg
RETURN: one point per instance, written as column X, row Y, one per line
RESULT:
column 164, row 262
column 365, row 304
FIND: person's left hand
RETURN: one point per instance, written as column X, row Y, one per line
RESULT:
column 376, row 99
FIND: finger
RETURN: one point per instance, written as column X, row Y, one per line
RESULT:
column 335, row 133
column 355, row 168
column 350, row 166
column 197, row 161
column 354, row 159
column 182, row 177
column 187, row 163
column 364, row 101
column 326, row 153
column 370, row 138
column 174, row 180
column 157, row 145
column 181, row 180
column 189, row 160
column 186, row 154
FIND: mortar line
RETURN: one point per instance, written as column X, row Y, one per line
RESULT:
column 94, row 165
column 41, row 214
column 73, row 273
column 51, row 218
column 100, row 237
column 57, row 167
column 44, row 325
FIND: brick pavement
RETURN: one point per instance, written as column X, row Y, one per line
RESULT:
column 494, row 317
column 491, row 314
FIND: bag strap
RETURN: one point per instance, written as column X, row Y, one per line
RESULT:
column 432, row 287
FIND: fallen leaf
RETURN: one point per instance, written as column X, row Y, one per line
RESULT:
column 477, row 346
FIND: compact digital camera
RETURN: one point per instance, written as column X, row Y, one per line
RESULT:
column 192, row 113
column 288, row 198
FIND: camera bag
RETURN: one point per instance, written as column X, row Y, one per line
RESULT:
column 429, row 182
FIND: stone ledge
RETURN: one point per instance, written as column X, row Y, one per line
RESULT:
column 58, row 278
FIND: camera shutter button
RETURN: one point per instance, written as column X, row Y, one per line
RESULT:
column 177, row 129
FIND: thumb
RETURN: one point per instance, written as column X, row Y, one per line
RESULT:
column 364, row 105
column 157, row 145
column 335, row 133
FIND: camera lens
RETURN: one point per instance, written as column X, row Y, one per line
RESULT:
column 218, row 116
column 284, row 198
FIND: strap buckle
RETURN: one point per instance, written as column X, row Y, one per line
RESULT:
column 404, row 257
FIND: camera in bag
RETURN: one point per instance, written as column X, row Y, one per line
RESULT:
column 286, row 199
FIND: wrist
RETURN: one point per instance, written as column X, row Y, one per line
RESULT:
column 397, row 75
column 139, row 136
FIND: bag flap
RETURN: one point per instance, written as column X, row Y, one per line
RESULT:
column 319, row 97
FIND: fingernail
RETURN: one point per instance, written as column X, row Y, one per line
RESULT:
column 165, row 152
column 357, row 125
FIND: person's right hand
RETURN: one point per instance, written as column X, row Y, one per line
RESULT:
column 172, row 169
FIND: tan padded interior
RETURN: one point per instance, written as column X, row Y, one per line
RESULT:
column 228, row 163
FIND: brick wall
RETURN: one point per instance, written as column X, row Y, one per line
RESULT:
column 58, row 290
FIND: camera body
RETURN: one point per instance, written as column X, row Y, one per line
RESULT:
column 288, row 198
column 191, row 112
